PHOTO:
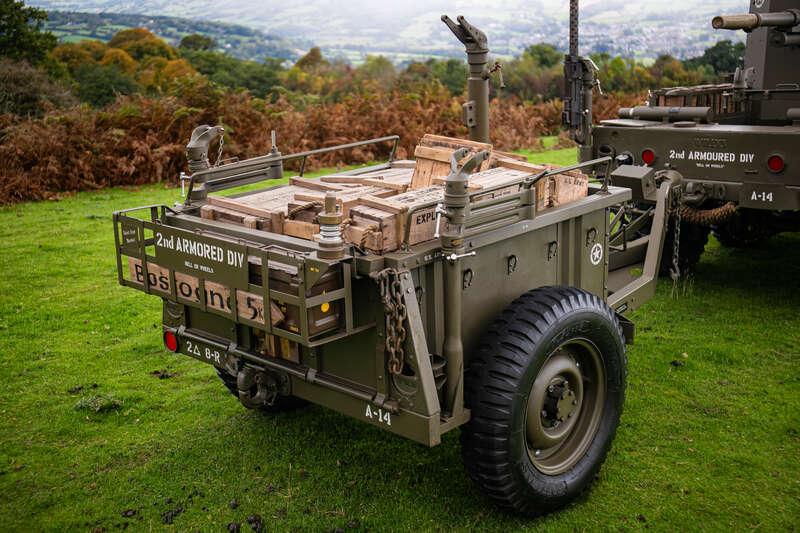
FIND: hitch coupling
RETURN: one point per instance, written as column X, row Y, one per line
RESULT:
column 259, row 388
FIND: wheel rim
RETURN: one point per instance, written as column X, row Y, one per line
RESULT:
column 565, row 406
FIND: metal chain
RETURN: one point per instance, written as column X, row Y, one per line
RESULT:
column 396, row 314
column 218, row 162
column 675, row 270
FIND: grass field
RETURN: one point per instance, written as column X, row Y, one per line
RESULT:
column 102, row 429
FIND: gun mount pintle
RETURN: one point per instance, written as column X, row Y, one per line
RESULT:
column 476, row 109
column 197, row 149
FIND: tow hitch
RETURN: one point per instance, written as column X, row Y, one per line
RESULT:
column 259, row 388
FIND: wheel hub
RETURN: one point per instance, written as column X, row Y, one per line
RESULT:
column 566, row 403
column 556, row 396
column 560, row 403
column 564, row 407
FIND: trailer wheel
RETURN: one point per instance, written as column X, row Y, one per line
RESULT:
column 282, row 403
column 545, row 390
column 692, row 244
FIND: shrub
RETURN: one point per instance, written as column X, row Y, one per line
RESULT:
column 99, row 84
column 28, row 91
column 138, row 140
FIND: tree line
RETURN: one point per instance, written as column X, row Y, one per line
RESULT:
column 135, row 61
column 86, row 115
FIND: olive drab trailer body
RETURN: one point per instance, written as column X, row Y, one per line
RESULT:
column 735, row 144
column 463, row 289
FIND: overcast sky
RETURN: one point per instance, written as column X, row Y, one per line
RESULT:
column 414, row 25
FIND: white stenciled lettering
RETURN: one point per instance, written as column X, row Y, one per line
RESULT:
column 379, row 415
column 202, row 250
column 712, row 157
column 235, row 258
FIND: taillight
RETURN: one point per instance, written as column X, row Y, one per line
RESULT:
column 775, row 163
column 170, row 341
column 648, row 156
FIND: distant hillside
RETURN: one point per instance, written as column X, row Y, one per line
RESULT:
column 238, row 41
column 411, row 29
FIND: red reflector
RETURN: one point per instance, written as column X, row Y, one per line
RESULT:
column 775, row 163
column 170, row 341
column 648, row 156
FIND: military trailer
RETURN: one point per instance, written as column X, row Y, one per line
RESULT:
column 465, row 288
column 735, row 144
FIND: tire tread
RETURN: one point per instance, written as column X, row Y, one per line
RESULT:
column 489, row 390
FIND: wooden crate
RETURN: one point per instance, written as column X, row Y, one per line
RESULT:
column 270, row 204
column 433, row 157
column 566, row 188
column 346, row 199
column 394, row 178
column 508, row 179
column 372, row 228
column 378, row 224
column 555, row 190
column 213, row 212
column 375, row 204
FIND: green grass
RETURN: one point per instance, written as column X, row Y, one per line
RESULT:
column 563, row 157
column 89, row 429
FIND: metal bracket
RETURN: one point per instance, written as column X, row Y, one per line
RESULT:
column 440, row 210
column 467, row 278
column 552, row 250
column 455, row 257
column 470, row 117
column 512, row 264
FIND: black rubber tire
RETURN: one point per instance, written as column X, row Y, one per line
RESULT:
column 498, row 382
column 693, row 242
column 746, row 229
column 283, row 403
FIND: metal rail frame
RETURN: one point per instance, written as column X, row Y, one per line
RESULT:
column 253, row 170
column 266, row 254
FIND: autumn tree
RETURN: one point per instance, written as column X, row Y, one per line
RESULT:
column 22, row 36
column 140, row 43
column 451, row 73
column 535, row 75
column 672, row 72
column 722, row 58
column 196, row 41
column 377, row 71
column 99, row 84
column 312, row 60
column 119, row 58
column 260, row 78
column 76, row 55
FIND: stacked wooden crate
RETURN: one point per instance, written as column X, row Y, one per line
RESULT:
column 433, row 157
column 552, row 191
column 376, row 205
column 291, row 209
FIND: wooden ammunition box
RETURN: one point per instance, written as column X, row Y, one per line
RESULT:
column 377, row 205
column 320, row 318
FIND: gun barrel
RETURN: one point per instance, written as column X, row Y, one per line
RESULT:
column 751, row 21
column 573, row 28
column 669, row 113
column 780, row 38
